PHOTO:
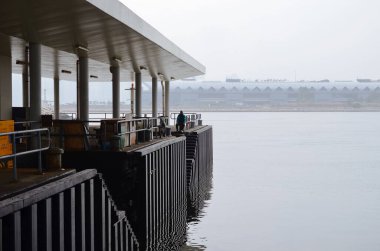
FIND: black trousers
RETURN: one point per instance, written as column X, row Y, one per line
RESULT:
column 180, row 126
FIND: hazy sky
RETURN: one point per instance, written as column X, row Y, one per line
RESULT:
column 316, row 39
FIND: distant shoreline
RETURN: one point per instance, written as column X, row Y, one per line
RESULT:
column 271, row 109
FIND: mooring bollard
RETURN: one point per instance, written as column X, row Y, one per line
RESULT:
column 54, row 158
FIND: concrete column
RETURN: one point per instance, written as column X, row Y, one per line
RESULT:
column 163, row 96
column 5, row 87
column 132, row 99
column 154, row 97
column 138, row 93
column 115, row 70
column 35, row 82
column 56, row 98
column 25, row 80
column 83, row 88
column 167, row 99
column 78, row 90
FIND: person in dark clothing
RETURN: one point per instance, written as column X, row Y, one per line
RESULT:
column 181, row 121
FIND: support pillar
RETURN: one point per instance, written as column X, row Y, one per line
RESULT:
column 83, row 89
column 138, row 93
column 163, row 97
column 115, row 70
column 56, row 98
column 167, row 99
column 78, row 90
column 5, row 87
column 154, row 97
column 35, row 83
column 25, row 80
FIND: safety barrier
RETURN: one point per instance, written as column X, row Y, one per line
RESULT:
column 72, row 213
column 36, row 141
column 192, row 119
column 91, row 134
column 149, row 184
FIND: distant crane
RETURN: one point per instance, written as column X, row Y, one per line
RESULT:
column 132, row 89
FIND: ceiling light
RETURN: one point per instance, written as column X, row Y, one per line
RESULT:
column 143, row 67
column 172, row 78
column 117, row 59
column 66, row 71
column 160, row 74
column 81, row 47
column 93, row 76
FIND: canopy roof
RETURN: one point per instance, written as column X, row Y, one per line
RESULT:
column 107, row 28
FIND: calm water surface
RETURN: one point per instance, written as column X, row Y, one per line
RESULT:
column 292, row 181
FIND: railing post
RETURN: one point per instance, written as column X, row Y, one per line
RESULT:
column 39, row 152
column 14, row 157
column 129, row 134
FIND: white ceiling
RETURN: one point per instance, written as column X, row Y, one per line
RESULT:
column 106, row 27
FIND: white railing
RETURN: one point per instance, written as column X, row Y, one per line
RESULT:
column 192, row 118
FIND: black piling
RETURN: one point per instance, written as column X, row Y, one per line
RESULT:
column 150, row 185
column 199, row 164
column 64, row 215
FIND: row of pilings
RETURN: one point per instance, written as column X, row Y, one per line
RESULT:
column 76, row 212
column 150, row 185
column 199, row 167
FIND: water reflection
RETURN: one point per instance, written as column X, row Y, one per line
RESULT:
column 198, row 198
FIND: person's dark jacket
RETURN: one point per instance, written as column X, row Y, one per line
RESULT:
column 181, row 119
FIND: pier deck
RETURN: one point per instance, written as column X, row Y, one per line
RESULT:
column 148, row 190
column 28, row 178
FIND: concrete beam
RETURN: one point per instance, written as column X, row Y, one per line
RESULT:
column 5, row 87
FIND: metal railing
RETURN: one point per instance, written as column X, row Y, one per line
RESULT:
column 93, row 115
column 124, row 237
column 103, row 226
column 99, row 115
column 31, row 134
column 144, row 124
column 191, row 117
column 98, row 135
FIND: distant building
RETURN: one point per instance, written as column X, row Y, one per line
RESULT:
column 218, row 95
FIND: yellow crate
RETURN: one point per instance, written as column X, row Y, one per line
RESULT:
column 4, row 140
column 7, row 125
column 6, row 150
column 5, row 144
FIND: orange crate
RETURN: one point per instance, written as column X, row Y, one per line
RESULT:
column 7, row 125
column 5, row 143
